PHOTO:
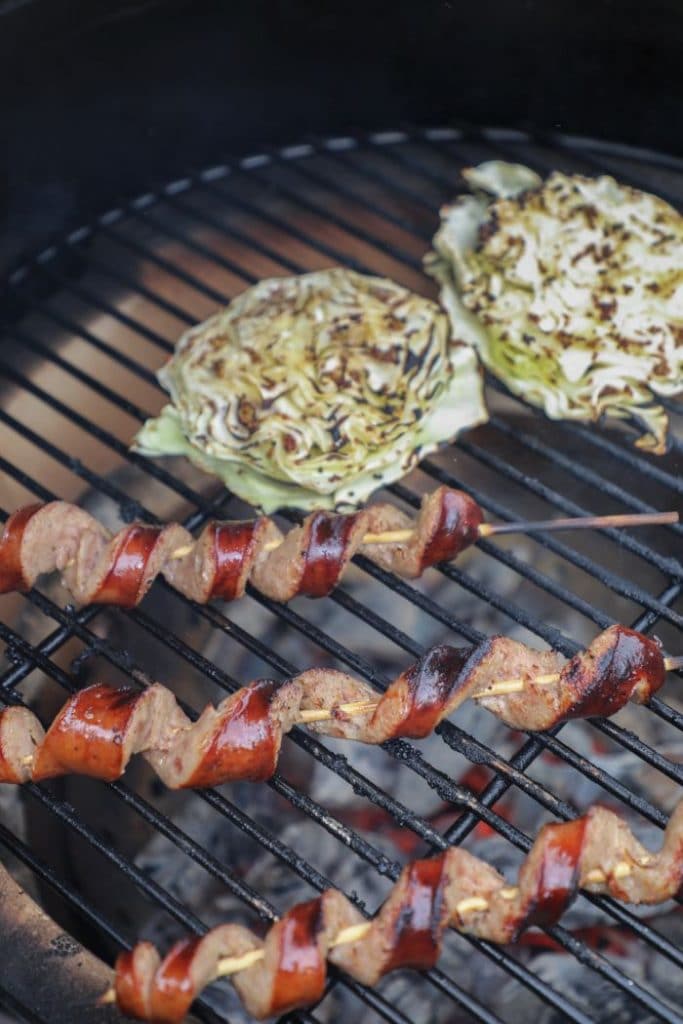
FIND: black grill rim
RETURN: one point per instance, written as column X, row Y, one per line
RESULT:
column 25, row 657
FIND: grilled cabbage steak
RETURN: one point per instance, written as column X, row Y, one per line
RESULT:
column 571, row 289
column 313, row 391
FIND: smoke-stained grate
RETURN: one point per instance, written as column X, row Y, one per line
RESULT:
column 88, row 321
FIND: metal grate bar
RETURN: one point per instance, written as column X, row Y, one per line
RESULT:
column 98, row 343
column 602, row 163
column 526, row 570
column 267, row 217
column 578, row 471
column 616, row 583
column 50, row 356
column 249, row 240
column 103, row 435
column 86, row 295
column 199, row 247
column 11, row 1004
column 341, row 222
column 344, row 159
column 105, row 269
column 373, row 206
column 414, row 164
column 67, row 892
column 167, row 265
column 628, row 457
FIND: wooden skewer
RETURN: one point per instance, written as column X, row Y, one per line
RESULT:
column 354, row 707
column 471, row 905
column 581, row 523
column 363, row 707
column 523, row 526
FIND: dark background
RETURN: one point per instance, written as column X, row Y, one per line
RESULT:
column 102, row 100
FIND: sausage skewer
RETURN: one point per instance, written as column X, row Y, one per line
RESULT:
column 100, row 728
column 309, row 560
column 287, row 970
column 362, row 707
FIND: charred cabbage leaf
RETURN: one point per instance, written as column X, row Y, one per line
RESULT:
column 571, row 289
column 313, row 391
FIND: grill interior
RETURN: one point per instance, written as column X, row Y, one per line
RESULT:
column 88, row 321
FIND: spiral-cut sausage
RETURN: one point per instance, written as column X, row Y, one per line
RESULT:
column 309, row 560
column 100, row 728
column 596, row 852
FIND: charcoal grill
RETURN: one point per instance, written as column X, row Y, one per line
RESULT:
column 86, row 323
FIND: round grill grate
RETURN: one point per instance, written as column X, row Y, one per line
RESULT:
column 88, row 322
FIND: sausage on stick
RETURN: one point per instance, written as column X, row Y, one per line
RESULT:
column 97, row 567
column 287, row 969
column 101, row 727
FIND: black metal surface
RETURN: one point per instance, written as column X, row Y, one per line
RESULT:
column 80, row 130
column 370, row 203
